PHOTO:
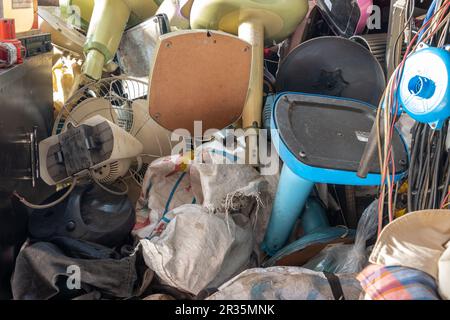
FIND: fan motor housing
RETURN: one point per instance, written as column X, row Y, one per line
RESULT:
column 109, row 173
column 95, row 144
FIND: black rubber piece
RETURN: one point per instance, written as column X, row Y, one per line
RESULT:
column 332, row 66
column 89, row 214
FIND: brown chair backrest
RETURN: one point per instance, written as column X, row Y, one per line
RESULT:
column 199, row 75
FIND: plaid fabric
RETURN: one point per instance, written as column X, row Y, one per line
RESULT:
column 397, row 283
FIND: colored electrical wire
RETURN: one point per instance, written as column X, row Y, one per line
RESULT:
column 388, row 115
column 48, row 205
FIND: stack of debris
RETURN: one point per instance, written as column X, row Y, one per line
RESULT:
column 239, row 149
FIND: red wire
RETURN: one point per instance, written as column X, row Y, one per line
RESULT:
column 390, row 155
column 444, row 201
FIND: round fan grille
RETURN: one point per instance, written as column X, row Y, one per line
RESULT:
column 120, row 92
column 121, row 100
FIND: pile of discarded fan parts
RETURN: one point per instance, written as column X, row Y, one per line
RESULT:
column 240, row 149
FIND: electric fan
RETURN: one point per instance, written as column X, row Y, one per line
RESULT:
column 121, row 100
column 106, row 132
column 97, row 147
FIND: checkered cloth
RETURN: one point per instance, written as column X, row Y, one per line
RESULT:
column 397, row 283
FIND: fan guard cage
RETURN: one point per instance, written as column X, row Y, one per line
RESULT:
column 120, row 92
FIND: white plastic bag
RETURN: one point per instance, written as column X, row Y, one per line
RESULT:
column 167, row 185
column 342, row 258
column 285, row 283
column 194, row 249
column 218, row 185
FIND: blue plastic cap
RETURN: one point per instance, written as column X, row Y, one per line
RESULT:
column 422, row 87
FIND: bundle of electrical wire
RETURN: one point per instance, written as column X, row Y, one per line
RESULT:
column 425, row 175
column 429, row 168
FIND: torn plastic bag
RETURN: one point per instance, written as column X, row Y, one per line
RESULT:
column 167, row 185
column 193, row 249
column 286, row 283
column 69, row 269
column 346, row 17
column 243, row 185
column 311, row 242
column 246, row 191
column 177, row 180
column 342, row 258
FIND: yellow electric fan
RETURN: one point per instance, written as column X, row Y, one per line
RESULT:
column 257, row 22
column 107, row 21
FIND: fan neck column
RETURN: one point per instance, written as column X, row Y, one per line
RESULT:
column 108, row 22
column 252, row 31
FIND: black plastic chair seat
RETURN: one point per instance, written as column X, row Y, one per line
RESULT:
column 330, row 133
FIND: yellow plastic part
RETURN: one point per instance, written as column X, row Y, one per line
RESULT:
column 107, row 22
column 83, row 8
column 93, row 67
column 139, row 8
column 186, row 8
column 400, row 213
column 257, row 22
column 252, row 31
column 177, row 12
column 66, row 74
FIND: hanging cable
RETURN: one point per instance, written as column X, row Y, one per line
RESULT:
column 49, row 205
column 429, row 187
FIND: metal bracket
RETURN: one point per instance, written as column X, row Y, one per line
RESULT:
column 32, row 172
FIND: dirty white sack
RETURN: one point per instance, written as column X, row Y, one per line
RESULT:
column 198, row 249
column 214, row 183
column 195, row 246
column 285, row 283
column 166, row 185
